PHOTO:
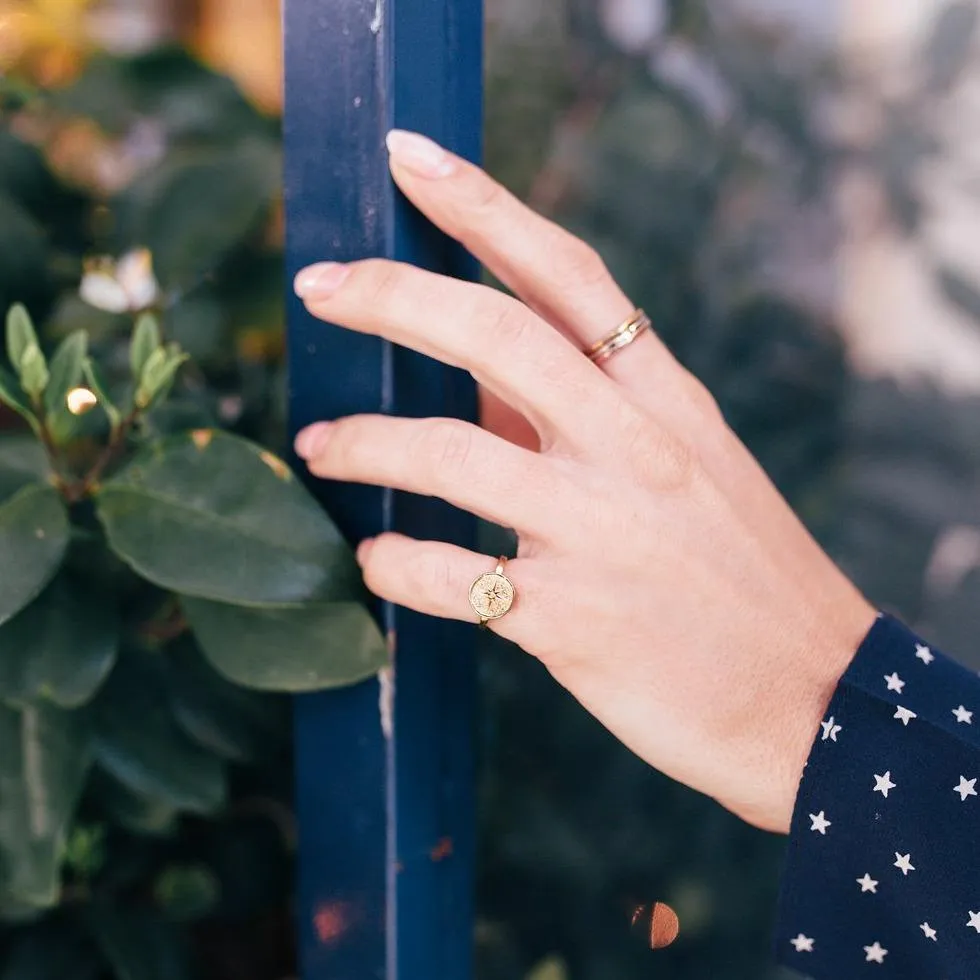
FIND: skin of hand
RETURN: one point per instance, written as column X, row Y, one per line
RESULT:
column 660, row 576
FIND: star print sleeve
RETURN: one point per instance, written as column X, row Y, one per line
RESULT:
column 882, row 875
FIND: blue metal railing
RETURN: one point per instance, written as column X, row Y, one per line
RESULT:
column 384, row 771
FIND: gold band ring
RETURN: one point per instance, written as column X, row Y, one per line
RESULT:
column 621, row 337
column 492, row 594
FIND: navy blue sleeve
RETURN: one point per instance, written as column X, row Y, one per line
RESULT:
column 882, row 875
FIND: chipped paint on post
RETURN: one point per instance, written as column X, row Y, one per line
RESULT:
column 376, row 23
column 386, row 702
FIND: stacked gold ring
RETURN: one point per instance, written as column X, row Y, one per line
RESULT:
column 621, row 337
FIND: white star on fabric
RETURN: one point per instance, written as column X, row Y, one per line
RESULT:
column 802, row 944
column 875, row 953
column 868, row 884
column 894, row 682
column 819, row 822
column 924, row 653
column 904, row 715
column 830, row 730
column 974, row 922
column 967, row 787
column 883, row 784
column 904, row 863
column 928, row 931
column 963, row 716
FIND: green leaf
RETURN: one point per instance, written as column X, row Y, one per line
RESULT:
column 187, row 891
column 290, row 648
column 158, row 375
column 155, row 361
column 137, row 740
column 22, row 461
column 34, row 374
column 208, row 514
column 137, row 812
column 20, row 334
column 12, row 395
column 67, row 365
column 222, row 717
column 93, row 375
column 85, row 850
column 60, row 648
column 44, row 758
column 146, row 340
column 552, row 968
column 34, row 533
column 138, row 944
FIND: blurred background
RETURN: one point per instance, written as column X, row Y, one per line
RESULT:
column 791, row 189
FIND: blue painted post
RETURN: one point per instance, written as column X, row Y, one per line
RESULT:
column 384, row 771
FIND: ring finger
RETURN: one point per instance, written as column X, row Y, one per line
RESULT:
column 446, row 458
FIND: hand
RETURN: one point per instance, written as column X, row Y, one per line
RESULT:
column 660, row 576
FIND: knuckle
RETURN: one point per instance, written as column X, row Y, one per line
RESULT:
column 661, row 459
column 341, row 451
column 678, row 464
column 379, row 281
column 488, row 195
column 444, row 447
column 508, row 325
column 581, row 263
column 702, row 399
column 431, row 573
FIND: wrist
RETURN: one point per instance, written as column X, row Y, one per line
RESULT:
column 829, row 650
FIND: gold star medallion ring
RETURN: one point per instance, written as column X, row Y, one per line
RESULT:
column 492, row 594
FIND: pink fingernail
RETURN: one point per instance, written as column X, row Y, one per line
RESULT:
column 312, row 439
column 364, row 549
column 320, row 280
column 419, row 154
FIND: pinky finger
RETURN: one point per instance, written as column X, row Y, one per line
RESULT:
column 434, row 578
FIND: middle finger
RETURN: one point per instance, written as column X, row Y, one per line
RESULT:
column 502, row 343
column 555, row 273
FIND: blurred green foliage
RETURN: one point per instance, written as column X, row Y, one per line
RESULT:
column 163, row 581
column 698, row 162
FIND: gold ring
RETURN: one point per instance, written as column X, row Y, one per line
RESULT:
column 492, row 594
column 621, row 337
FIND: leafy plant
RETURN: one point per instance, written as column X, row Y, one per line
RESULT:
column 149, row 574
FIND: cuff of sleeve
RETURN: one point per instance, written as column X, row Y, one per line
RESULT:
column 883, row 849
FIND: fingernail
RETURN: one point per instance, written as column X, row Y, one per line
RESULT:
column 312, row 439
column 419, row 154
column 364, row 549
column 320, row 281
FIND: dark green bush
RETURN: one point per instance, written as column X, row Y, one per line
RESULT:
column 164, row 579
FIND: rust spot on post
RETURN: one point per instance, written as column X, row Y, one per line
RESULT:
column 442, row 849
column 331, row 920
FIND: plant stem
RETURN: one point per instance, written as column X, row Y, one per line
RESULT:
column 117, row 443
column 44, row 436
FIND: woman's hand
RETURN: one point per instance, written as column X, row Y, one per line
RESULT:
column 660, row 576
